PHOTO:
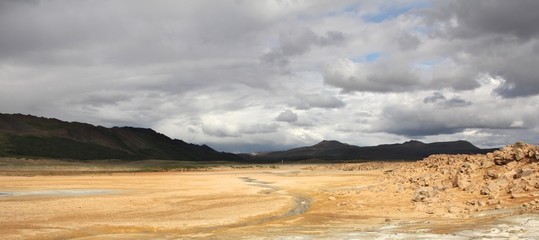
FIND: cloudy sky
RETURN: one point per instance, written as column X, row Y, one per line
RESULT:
column 246, row 76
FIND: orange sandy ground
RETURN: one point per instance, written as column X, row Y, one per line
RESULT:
column 292, row 200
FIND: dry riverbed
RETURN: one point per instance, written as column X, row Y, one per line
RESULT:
column 353, row 201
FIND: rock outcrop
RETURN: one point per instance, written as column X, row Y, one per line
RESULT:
column 511, row 173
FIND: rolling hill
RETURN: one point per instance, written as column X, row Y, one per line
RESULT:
column 335, row 150
column 30, row 136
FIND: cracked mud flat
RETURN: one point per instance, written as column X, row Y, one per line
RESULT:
column 291, row 202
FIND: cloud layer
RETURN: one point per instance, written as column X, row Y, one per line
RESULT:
column 266, row 75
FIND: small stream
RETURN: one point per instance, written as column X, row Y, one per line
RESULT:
column 301, row 203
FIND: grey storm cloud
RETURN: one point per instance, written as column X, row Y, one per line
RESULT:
column 73, row 51
column 219, row 132
column 435, row 97
column 407, row 41
column 297, row 41
column 287, row 116
column 104, row 98
column 469, row 38
column 440, row 99
column 119, row 32
column 225, row 72
column 498, row 37
column 520, row 77
column 433, row 120
column 378, row 77
column 322, row 100
column 470, row 19
column 397, row 75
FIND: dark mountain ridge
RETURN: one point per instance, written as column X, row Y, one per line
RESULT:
column 30, row 136
column 335, row 150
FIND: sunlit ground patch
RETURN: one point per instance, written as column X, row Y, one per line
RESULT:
column 60, row 192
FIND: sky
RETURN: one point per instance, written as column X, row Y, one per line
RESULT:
column 248, row 76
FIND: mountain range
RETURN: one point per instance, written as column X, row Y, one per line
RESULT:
column 31, row 136
column 335, row 150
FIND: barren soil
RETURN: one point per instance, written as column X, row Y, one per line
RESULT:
column 359, row 201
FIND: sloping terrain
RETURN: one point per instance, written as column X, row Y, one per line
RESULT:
column 489, row 181
column 30, row 136
column 334, row 150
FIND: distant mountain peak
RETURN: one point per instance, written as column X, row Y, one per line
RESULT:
column 458, row 144
column 335, row 150
column 330, row 144
column 413, row 142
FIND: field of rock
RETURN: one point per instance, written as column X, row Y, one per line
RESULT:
column 489, row 196
column 491, row 181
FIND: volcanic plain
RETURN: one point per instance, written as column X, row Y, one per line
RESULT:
column 443, row 197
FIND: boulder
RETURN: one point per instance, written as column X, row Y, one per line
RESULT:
column 511, row 165
column 487, row 163
column 524, row 172
column 463, row 182
column 423, row 194
column 490, row 189
column 492, row 174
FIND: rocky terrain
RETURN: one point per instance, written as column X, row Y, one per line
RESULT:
column 492, row 181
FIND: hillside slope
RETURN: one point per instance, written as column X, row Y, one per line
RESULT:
column 30, row 136
column 334, row 150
